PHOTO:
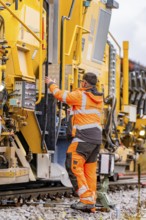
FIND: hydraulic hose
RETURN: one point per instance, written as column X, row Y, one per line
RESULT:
column 110, row 145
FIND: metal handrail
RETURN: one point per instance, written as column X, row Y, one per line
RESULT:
column 73, row 37
column 116, row 43
column 18, row 19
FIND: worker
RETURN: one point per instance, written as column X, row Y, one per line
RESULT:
column 86, row 132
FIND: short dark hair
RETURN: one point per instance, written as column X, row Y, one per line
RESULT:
column 91, row 78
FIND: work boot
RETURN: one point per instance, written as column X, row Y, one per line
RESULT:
column 83, row 207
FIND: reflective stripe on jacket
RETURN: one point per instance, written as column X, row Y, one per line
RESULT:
column 86, row 112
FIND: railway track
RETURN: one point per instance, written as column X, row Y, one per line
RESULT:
column 127, row 183
column 133, row 180
column 21, row 194
column 48, row 195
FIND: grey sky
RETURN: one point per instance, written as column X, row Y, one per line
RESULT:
column 129, row 23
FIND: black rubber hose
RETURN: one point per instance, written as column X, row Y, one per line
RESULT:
column 107, row 132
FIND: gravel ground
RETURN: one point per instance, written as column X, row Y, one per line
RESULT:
column 127, row 208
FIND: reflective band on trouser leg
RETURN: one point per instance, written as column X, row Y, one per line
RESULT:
column 88, row 200
column 90, row 174
column 83, row 190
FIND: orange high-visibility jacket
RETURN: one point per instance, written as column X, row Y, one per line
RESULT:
column 86, row 112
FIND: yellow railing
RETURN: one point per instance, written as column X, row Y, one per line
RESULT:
column 73, row 37
column 116, row 43
column 69, row 51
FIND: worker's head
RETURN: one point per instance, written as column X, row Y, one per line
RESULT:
column 89, row 79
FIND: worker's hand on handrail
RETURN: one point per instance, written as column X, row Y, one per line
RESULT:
column 49, row 80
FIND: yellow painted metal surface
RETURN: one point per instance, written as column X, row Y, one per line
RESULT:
column 118, row 80
column 87, row 63
column 33, row 134
column 23, row 31
column 24, row 38
column 10, row 173
column 76, row 77
column 125, row 73
column 70, row 26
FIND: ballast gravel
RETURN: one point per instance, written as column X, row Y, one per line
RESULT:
column 130, row 205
